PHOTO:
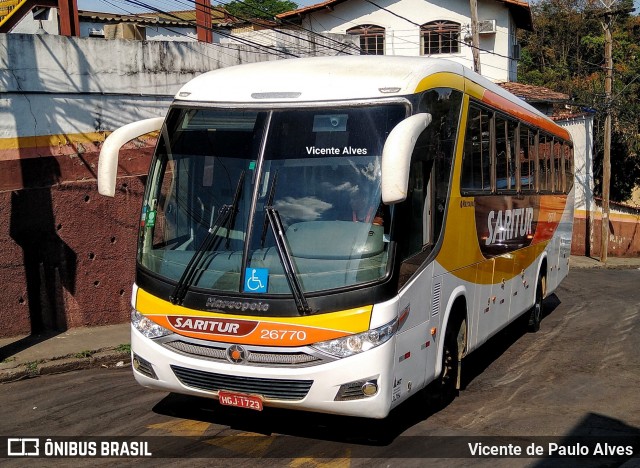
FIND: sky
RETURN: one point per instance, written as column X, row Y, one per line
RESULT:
column 123, row 6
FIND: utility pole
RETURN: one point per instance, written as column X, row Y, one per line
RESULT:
column 475, row 36
column 607, row 25
column 606, row 161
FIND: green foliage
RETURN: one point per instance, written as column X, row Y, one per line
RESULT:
column 566, row 53
column 123, row 348
column 265, row 9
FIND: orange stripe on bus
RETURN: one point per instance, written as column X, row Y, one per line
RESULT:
column 511, row 108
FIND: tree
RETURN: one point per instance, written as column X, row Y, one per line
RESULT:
column 265, row 9
column 566, row 53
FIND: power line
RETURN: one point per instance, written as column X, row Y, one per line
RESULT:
column 253, row 21
column 248, row 42
column 257, row 33
column 261, row 10
column 408, row 41
column 440, row 34
column 217, row 46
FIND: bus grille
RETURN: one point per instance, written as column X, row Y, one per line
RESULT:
column 275, row 389
column 256, row 358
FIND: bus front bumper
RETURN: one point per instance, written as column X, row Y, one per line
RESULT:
column 157, row 367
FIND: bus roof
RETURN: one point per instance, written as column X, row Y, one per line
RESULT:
column 315, row 79
column 338, row 78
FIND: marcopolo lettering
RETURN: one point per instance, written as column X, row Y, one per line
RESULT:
column 505, row 225
column 223, row 304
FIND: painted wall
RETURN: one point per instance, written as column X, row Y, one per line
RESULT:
column 403, row 37
column 68, row 254
column 624, row 221
column 154, row 33
column 30, row 26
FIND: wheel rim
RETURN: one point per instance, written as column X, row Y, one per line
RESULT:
column 447, row 366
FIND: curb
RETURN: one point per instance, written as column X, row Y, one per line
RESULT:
column 599, row 266
column 106, row 358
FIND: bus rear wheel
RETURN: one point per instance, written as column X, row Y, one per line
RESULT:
column 535, row 314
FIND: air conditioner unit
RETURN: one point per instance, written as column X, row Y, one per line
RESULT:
column 487, row 26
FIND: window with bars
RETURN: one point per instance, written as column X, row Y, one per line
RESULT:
column 371, row 38
column 440, row 37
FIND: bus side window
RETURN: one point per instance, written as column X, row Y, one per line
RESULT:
column 527, row 159
column 476, row 161
column 558, row 167
column 505, row 155
column 568, row 167
column 544, row 162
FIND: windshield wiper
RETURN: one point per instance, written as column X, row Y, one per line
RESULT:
column 269, row 203
column 287, row 261
column 225, row 219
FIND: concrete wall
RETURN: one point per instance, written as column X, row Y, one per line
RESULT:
column 624, row 221
column 30, row 26
column 581, row 130
column 68, row 254
column 153, row 32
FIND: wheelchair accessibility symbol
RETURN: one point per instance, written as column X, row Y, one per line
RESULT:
column 255, row 280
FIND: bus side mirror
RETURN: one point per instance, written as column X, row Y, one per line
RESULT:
column 396, row 157
column 108, row 160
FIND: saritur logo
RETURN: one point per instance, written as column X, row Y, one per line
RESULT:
column 505, row 225
column 213, row 326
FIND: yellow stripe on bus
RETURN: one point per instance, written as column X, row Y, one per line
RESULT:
column 260, row 330
column 441, row 80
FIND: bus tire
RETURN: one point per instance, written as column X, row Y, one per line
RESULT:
column 444, row 389
column 535, row 314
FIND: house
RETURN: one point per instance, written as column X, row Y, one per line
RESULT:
column 170, row 26
column 425, row 27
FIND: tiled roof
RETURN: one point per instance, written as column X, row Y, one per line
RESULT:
column 532, row 93
column 218, row 15
column 176, row 18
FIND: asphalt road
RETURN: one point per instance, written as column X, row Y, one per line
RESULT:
column 579, row 376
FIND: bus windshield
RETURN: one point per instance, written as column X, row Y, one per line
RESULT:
column 217, row 173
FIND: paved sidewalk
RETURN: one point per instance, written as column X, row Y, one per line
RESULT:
column 108, row 346
column 51, row 353
column 612, row 262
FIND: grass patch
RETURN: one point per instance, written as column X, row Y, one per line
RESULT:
column 84, row 354
column 124, row 348
column 32, row 366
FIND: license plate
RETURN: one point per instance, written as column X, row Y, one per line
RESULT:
column 240, row 400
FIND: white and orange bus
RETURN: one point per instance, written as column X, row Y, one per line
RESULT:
column 336, row 234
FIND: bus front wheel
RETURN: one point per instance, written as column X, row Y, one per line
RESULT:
column 444, row 389
column 535, row 315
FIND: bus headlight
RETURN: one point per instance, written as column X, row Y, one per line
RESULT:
column 355, row 344
column 147, row 327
